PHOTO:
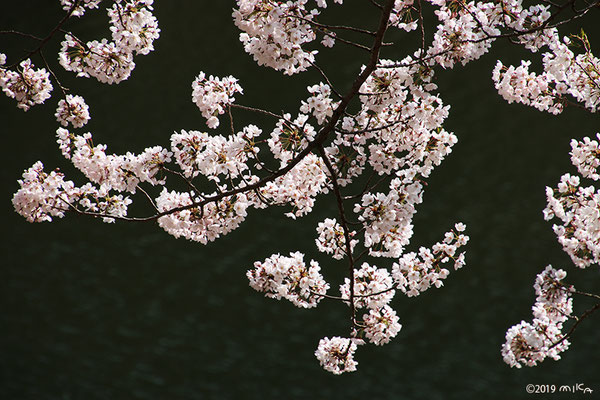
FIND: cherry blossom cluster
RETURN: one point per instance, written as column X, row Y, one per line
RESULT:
column 116, row 172
column 401, row 16
column 28, row 86
column 332, row 240
column 72, row 110
column 460, row 34
column 400, row 116
column 529, row 22
column 274, row 32
column 467, row 30
column 381, row 325
column 585, row 155
column 415, row 273
column 203, row 223
column 299, row 187
column 579, row 234
column 290, row 278
column 397, row 131
column 577, row 209
column 133, row 26
column 213, row 95
column 387, row 217
column 290, row 137
column 43, row 196
column 319, row 103
column 133, row 29
column 213, row 156
column 373, row 287
column 521, row 86
column 81, row 6
column 527, row 343
column 564, row 74
column 336, row 355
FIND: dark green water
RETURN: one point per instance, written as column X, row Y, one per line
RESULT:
column 95, row 311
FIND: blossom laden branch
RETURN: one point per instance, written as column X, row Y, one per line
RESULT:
column 386, row 127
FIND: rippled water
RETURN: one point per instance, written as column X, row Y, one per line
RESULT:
column 94, row 311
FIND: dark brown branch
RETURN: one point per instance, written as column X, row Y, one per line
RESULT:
column 25, row 35
column 320, row 138
column 326, row 79
column 342, row 213
column 63, row 89
column 578, row 320
column 333, row 27
column 257, row 110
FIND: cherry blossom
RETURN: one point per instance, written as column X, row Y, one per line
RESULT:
column 373, row 287
column 414, row 273
column 28, row 86
column 336, row 355
column 274, row 33
column 577, row 209
column 331, row 239
column 289, row 277
column 133, row 26
column 82, row 5
column 585, row 155
column 381, row 325
column 213, row 95
column 369, row 147
column 530, row 343
column 72, row 110
column 45, row 195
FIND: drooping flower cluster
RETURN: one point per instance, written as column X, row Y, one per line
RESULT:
column 459, row 36
column 521, row 86
column 530, row 343
column 332, row 240
column 72, row 110
column 290, row 278
column 577, row 209
column 336, row 355
column 299, row 187
column 133, row 28
column 387, row 218
column 373, row 287
column 215, row 157
column 275, row 32
column 203, row 223
column 290, row 137
column 45, row 195
column 214, row 95
column 381, row 325
column 585, row 155
column 319, row 103
column 28, row 86
column 401, row 16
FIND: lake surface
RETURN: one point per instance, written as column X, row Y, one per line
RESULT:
column 125, row 311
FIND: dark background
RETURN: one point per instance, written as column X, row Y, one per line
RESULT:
column 125, row 311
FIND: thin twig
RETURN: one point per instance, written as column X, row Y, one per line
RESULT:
column 51, row 34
